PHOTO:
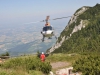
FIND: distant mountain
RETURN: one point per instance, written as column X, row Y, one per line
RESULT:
column 82, row 32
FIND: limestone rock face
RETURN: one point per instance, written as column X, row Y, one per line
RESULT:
column 73, row 19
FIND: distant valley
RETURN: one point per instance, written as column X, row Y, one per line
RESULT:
column 26, row 39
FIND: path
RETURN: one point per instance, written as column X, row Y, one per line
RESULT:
column 57, row 65
column 61, row 69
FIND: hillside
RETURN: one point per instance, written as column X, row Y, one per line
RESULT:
column 82, row 32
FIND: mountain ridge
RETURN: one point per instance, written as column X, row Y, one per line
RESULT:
column 83, row 21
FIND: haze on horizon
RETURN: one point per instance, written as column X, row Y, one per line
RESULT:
column 16, row 12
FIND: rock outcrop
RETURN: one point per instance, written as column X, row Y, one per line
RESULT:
column 73, row 19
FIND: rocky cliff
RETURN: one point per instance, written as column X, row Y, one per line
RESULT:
column 77, row 22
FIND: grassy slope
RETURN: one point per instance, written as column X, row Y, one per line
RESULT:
column 13, row 69
column 23, row 65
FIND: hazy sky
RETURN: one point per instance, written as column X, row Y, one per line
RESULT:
column 26, row 11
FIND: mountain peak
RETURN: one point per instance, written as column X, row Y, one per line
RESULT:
column 76, row 30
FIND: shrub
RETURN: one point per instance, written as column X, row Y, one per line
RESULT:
column 88, row 65
column 27, row 63
column 5, row 54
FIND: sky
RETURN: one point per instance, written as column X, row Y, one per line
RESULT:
column 13, row 12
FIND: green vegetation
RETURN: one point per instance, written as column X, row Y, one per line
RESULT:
column 88, row 38
column 85, row 42
column 81, row 50
column 31, row 65
column 28, row 64
column 63, row 57
column 88, row 65
column 87, row 62
column 81, row 8
column 5, row 54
